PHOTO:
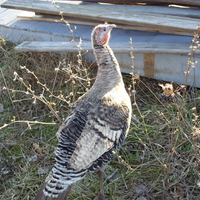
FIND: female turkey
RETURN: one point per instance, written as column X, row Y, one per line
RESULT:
column 96, row 127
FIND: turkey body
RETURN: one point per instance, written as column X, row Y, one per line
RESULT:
column 96, row 127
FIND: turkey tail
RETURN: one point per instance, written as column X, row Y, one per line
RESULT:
column 61, row 196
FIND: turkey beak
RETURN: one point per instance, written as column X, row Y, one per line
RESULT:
column 112, row 26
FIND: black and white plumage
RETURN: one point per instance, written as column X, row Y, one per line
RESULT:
column 97, row 124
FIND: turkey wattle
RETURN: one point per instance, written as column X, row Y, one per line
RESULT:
column 97, row 124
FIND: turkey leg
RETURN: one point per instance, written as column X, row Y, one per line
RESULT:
column 101, row 176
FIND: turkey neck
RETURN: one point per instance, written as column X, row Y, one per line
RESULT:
column 108, row 74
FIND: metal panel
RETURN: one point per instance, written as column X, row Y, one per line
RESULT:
column 167, row 67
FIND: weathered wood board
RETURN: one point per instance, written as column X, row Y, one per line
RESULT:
column 146, row 10
column 7, row 17
column 168, row 24
column 179, row 2
column 27, row 15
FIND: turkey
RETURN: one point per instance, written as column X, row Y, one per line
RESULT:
column 96, row 127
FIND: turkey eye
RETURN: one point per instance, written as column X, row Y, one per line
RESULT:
column 104, row 29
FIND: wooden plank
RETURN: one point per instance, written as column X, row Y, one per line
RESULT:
column 118, row 47
column 145, row 9
column 179, row 2
column 27, row 15
column 5, row 20
column 156, row 21
column 48, row 18
column 2, row 10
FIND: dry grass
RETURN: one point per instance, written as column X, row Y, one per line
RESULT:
column 160, row 159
